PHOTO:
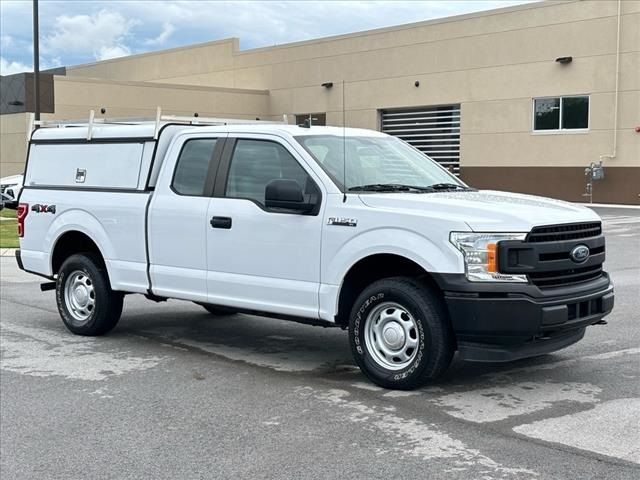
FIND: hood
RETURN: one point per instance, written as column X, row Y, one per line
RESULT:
column 12, row 180
column 485, row 210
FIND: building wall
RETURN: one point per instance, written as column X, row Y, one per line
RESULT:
column 13, row 143
column 76, row 96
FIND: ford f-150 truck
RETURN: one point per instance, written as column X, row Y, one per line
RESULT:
column 322, row 225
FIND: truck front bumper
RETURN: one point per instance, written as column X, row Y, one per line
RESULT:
column 505, row 322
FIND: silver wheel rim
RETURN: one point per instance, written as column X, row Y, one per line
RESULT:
column 80, row 295
column 391, row 336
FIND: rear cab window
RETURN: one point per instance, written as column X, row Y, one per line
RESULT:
column 192, row 167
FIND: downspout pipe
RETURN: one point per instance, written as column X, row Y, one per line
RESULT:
column 617, row 90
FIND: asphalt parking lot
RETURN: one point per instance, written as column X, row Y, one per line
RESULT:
column 176, row 393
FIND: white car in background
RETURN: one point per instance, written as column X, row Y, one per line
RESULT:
column 10, row 187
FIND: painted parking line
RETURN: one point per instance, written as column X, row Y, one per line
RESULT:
column 610, row 428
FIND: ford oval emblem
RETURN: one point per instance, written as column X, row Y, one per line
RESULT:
column 579, row 253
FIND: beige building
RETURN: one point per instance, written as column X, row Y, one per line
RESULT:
column 521, row 98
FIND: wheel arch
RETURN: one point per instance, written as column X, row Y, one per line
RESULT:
column 72, row 242
column 371, row 268
column 80, row 229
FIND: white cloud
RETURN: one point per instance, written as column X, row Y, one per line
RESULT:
column 9, row 68
column 114, row 51
column 167, row 31
column 102, row 34
column 87, row 30
column 6, row 41
column 264, row 23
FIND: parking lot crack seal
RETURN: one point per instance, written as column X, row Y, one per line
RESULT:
column 41, row 352
column 418, row 439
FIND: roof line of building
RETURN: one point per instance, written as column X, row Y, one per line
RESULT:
column 235, row 41
column 160, row 85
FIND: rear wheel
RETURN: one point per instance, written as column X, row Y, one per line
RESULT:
column 86, row 303
column 216, row 310
column 400, row 333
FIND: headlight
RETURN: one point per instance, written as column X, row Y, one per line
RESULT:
column 480, row 252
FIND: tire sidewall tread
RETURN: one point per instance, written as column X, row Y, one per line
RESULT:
column 108, row 307
column 433, row 329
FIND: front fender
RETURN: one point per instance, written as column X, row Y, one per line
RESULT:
column 430, row 255
column 437, row 255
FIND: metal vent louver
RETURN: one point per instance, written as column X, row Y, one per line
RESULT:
column 432, row 130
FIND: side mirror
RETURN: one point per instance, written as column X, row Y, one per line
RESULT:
column 286, row 195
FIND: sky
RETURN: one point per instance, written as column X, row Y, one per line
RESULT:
column 79, row 31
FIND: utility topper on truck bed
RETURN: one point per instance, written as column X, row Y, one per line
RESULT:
column 322, row 225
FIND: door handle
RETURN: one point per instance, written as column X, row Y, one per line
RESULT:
column 221, row 222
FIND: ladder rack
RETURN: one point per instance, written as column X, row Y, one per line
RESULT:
column 158, row 121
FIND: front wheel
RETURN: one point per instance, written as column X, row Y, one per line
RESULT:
column 400, row 333
column 85, row 300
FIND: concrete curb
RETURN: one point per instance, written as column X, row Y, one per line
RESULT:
column 609, row 205
column 8, row 252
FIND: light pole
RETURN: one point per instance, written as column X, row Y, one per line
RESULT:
column 36, row 62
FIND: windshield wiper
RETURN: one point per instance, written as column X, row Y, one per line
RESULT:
column 388, row 187
column 399, row 187
column 448, row 186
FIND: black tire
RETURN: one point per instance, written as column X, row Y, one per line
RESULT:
column 217, row 310
column 428, row 324
column 105, row 312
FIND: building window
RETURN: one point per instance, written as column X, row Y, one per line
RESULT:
column 561, row 113
column 319, row 119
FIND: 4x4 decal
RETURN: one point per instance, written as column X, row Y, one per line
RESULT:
column 41, row 208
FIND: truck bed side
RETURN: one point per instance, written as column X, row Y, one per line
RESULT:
column 88, row 192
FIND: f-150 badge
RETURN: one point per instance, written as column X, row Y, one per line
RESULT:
column 343, row 222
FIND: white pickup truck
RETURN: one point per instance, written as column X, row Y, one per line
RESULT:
column 271, row 220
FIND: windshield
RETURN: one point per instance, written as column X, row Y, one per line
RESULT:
column 377, row 163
